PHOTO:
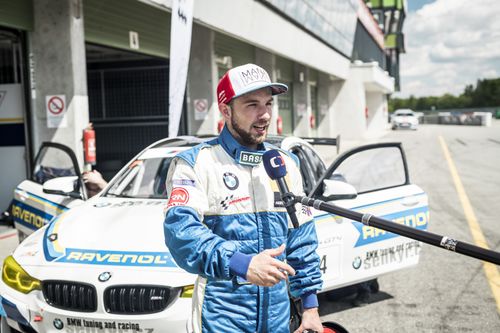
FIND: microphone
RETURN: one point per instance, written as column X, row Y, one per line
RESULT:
column 276, row 170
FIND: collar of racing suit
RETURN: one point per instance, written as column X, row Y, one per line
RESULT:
column 241, row 154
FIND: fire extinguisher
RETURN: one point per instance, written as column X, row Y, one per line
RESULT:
column 220, row 125
column 312, row 121
column 89, row 148
column 279, row 125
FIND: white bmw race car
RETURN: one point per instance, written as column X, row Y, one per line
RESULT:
column 101, row 265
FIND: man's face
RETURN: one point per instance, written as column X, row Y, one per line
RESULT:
column 249, row 116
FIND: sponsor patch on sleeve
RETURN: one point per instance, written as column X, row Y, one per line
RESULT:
column 178, row 197
column 183, row 182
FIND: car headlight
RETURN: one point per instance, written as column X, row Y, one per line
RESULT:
column 187, row 291
column 16, row 277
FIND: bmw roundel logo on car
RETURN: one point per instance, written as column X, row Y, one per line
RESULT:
column 105, row 276
column 356, row 263
column 58, row 324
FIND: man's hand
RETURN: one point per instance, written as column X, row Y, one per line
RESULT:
column 265, row 271
column 310, row 321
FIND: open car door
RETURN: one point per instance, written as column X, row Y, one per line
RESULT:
column 56, row 185
column 370, row 179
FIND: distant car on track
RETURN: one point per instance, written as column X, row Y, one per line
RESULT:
column 101, row 264
column 404, row 119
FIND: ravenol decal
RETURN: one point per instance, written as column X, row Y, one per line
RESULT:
column 53, row 251
column 117, row 258
column 416, row 218
column 29, row 216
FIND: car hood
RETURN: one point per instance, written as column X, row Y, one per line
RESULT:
column 120, row 233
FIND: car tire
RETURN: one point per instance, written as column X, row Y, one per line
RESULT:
column 22, row 236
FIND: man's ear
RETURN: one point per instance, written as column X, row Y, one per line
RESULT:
column 225, row 110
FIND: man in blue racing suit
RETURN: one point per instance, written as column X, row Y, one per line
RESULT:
column 225, row 220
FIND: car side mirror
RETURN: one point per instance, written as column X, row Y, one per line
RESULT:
column 338, row 190
column 62, row 186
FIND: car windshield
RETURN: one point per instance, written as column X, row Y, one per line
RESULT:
column 405, row 114
column 143, row 179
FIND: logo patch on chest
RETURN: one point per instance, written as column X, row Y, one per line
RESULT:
column 231, row 200
column 249, row 158
column 230, row 180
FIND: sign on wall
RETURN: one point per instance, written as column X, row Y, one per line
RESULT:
column 200, row 108
column 56, row 109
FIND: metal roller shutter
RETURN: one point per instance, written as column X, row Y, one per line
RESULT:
column 240, row 52
column 284, row 69
column 17, row 14
column 109, row 23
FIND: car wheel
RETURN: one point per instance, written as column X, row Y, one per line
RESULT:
column 22, row 236
column 374, row 287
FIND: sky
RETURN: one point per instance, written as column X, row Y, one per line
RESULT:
column 449, row 44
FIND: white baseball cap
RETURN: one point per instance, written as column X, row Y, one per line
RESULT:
column 244, row 79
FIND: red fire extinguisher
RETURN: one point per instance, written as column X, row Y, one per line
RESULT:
column 312, row 121
column 279, row 125
column 220, row 125
column 89, row 148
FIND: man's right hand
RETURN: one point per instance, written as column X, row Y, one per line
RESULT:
column 265, row 270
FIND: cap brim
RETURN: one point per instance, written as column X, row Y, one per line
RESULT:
column 276, row 89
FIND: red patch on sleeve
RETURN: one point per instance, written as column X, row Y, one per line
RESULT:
column 179, row 197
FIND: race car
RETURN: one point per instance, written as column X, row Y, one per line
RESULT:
column 101, row 265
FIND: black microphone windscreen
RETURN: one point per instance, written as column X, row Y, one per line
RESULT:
column 274, row 164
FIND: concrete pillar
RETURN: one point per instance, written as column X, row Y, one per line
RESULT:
column 59, row 64
column 267, row 61
column 326, row 97
column 301, row 101
column 349, row 109
column 202, row 83
column 377, row 113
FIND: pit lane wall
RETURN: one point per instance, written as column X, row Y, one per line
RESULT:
column 468, row 117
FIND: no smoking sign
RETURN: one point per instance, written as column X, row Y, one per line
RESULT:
column 56, row 108
column 200, row 108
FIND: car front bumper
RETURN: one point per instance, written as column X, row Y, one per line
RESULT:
column 30, row 313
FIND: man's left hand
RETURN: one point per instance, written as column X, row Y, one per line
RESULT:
column 310, row 321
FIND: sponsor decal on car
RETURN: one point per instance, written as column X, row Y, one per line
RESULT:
column 416, row 218
column 184, row 182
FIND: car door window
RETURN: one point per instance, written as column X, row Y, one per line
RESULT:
column 369, row 168
column 372, row 169
column 316, row 163
column 52, row 162
column 306, row 168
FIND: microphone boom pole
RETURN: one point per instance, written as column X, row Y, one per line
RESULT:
column 403, row 230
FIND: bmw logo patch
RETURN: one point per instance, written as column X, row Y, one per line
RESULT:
column 58, row 324
column 230, row 180
column 356, row 263
column 103, row 277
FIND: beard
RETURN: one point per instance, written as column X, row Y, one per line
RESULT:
column 248, row 138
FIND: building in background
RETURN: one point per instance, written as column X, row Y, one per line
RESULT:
column 66, row 63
